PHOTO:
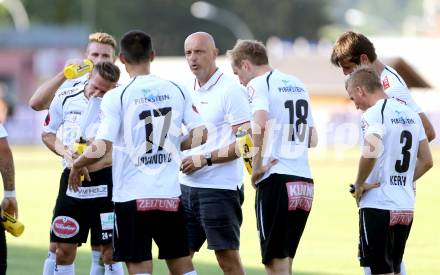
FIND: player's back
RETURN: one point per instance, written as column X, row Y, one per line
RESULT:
column 394, row 169
column 290, row 119
column 146, row 151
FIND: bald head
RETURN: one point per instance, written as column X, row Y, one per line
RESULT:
column 202, row 37
column 200, row 52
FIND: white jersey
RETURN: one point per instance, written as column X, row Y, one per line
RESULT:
column 221, row 103
column 401, row 130
column 3, row 132
column 395, row 87
column 287, row 102
column 64, row 115
column 79, row 81
column 143, row 119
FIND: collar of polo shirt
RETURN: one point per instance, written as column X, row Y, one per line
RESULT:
column 211, row 82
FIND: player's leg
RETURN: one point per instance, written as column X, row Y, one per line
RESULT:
column 401, row 233
column 281, row 217
column 97, row 265
column 102, row 221
column 191, row 211
column 132, row 238
column 169, row 233
column 50, row 261
column 222, row 228
column 376, row 240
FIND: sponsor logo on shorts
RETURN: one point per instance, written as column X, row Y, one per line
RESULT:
column 170, row 205
column 107, row 220
column 91, row 192
column 65, row 227
column 401, row 217
column 300, row 195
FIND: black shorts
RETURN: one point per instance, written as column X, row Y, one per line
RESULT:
column 282, row 206
column 214, row 215
column 135, row 230
column 90, row 208
column 382, row 239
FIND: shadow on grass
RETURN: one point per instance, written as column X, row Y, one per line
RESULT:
column 24, row 260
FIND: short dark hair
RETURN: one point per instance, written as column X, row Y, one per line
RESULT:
column 252, row 50
column 350, row 46
column 364, row 76
column 108, row 71
column 136, row 46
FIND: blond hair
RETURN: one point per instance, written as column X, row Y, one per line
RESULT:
column 103, row 38
column 252, row 50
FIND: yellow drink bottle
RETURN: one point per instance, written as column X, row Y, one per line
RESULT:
column 11, row 225
column 74, row 70
column 79, row 146
column 244, row 142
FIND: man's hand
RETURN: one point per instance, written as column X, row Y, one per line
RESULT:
column 75, row 177
column 192, row 163
column 70, row 155
column 9, row 205
column 259, row 172
column 361, row 189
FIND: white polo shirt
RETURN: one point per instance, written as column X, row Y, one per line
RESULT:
column 3, row 132
column 395, row 87
column 143, row 119
column 401, row 130
column 64, row 115
column 79, row 81
column 221, row 103
column 287, row 102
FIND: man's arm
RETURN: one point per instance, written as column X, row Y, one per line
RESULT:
column 424, row 160
column 44, row 94
column 193, row 163
column 9, row 203
column 53, row 143
column 313, row 137
column 196, row 137
column 93, row 153
column 429, row 129
column 371, row 150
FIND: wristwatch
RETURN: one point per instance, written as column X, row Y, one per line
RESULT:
column 208, row 158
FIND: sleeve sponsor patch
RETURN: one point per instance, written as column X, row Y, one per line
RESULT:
column 386, row 83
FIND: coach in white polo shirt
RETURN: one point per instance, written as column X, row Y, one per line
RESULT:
column 211, row 178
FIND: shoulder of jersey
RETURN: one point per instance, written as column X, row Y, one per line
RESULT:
column 391, row 79
column 69, row 91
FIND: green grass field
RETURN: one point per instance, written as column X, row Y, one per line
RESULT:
column 328, row 246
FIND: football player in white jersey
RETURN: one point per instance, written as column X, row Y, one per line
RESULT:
column 9, row 202
column 142, row 121
column 353, row 49
column 101, row 47
column 91, row 208
column 282, row 132
column 395, row 153
column 218, row 182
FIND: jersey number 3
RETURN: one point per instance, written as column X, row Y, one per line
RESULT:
column 406, row 140
column 298, row 113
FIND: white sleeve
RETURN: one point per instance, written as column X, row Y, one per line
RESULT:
column 403, row 95
column 371, row 123
column 258, row 96
column 54, row 118
column 191, row 117
column 111, row 117
column 3, row 132
column 236, row 106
